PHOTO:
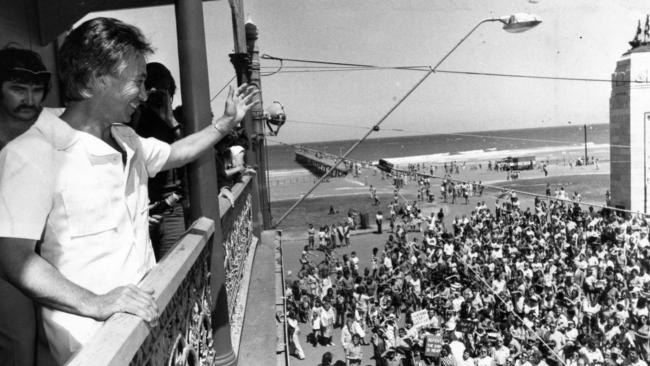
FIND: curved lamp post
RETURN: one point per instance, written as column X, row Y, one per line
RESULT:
column 515, row 23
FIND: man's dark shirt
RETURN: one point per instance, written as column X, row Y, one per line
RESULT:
column 151, row 125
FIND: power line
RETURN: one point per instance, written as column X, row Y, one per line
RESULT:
column 342, row 125
column 325, row 67
column 460, row 72
column 542, row 77
column 365, row 67
column 328, row 124
column 282, row 59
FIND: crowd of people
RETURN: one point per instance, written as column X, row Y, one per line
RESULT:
column 330, row 236
column 551, row 284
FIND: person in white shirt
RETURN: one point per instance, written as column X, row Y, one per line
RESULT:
column 484, row 358
column 522, row 360
column 591, row 353
column 634, row 360
column 571, row 332
column 467, row 360
column 295, row 334
column 458, row 350
column 388, row 263
column 355, row 260
column 89, row 207
column 558, row 338
column 500, row 353
column 379, row 219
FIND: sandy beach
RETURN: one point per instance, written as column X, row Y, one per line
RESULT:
column 350, row 192
column 286, row 184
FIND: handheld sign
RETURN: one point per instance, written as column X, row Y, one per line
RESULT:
column 420, row 317
column 433, row 345
column 465, row 326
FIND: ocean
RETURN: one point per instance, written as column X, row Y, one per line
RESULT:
column 485, row 145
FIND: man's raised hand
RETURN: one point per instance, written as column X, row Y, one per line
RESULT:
column 239, row 102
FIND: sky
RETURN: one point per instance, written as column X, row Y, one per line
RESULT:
column 577, row 39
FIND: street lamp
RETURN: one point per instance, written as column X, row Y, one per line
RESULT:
column 520, row 22
column 514, row 23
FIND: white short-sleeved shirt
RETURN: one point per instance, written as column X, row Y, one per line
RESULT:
column 72, row 191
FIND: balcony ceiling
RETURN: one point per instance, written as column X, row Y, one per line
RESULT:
column 57, row 16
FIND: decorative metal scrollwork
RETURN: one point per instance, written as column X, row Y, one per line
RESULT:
column 182, row 354
column 183, row 335
column 236, row 245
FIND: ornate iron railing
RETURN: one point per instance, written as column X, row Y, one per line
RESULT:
column 181, row 284
column 239, row 244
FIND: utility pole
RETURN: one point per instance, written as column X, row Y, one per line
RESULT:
column 241, row 60
column 258, row 141
column 586, row 160
column 646, row 120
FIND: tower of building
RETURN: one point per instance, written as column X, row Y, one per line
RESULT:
column 629, row 118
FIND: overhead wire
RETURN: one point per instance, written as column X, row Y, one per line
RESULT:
column 307, row 71
column 269, row 57
column 345, row 66
column 279, row 69
column 459, row 72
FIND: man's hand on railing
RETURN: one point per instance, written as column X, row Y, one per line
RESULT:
column 126, row 299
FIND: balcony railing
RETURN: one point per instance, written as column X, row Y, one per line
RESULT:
column 240, row 244
column 181, row 281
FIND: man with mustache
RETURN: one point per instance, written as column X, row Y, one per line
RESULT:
column 24, row 83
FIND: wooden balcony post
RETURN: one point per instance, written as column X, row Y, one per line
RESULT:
column 195, row 93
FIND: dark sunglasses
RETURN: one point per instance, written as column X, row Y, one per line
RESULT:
column 25, row 76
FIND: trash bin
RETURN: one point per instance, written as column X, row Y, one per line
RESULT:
column 363, row 220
